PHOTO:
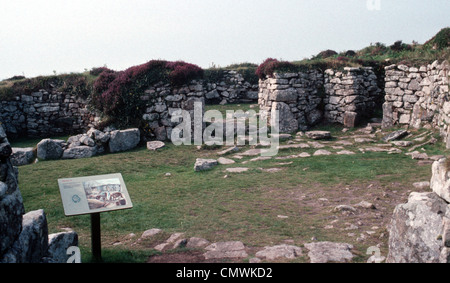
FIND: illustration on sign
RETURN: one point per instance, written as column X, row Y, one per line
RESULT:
column 94, row 194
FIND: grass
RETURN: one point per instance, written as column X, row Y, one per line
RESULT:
column 241, row 207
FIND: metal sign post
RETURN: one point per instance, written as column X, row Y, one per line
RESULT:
column 94, row 195
column 96, row 238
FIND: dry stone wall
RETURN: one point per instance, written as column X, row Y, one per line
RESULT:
column 307, row 98
column 418, row 97
column 49, row 112
column 46, row 112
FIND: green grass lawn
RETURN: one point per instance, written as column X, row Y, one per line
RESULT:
column 205, row 204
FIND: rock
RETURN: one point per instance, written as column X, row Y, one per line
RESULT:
column 395, row 135
column 324, row 252
column 79, row 152
column 58, row 244
column 155, row 145
column 440, row 180
column 197, row 243
column 32, row 243
column 350, row 119
column 22, row 156
column 124, row 140
column 237, row 170
column 415, row 229
column 280, row 251
column 321, row 152
column 366, row 204
column 204, row 164
column 342, row 208
column 419, row 156
column 49, row 149
column 225, row 161
column 225, row 250
column 318, row 135
column 150, row 233
column 422, row 185
column 402, row 143
column 85, row 140
column 228, row 150
column 287, row 121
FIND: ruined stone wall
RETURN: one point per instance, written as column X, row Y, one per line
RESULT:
column 46, row 113
column 49, row 112
column 307, row 98
column 418, row 97
column 351, row 94
column 24, row 237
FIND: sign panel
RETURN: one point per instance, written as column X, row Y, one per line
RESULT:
column 95, row 194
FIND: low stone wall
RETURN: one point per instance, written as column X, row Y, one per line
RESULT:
column 418, row 97
column 24, row 237
column 307, row 98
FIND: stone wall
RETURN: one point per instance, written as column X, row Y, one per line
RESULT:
column 49, row 112
column 46, row 113
column 418, row 97
column 24, row 237
column 420, row 229
column 351, row 94
column 307, row 98
column 231, row 88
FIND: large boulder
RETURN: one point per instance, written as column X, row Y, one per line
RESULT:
column 32, row 244
column 287, row 121
column 58, row 244
column 49, row 149
column 78, row 152
column 22, row 156
column 440, row 181
column 416, row 229
column 124, row 140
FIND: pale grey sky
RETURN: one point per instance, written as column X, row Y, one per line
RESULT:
column 38, row 37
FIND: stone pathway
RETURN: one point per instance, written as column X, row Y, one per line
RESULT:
column 319, row 252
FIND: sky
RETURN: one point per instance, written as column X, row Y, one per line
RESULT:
column 42, row 37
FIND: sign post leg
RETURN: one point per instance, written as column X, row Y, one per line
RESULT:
column 96, row 240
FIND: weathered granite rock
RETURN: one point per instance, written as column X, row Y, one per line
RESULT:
column 11, row 211
column 440, row 180
column 124, row 140
column 204, row 164
column 395, row 135
column 323, row 252
column 155, row 145
column 318, row 135
column 57, row 246
column 280, row 251
column 32, row 244
column 22, row 156
column 78, row 152
column 416, row 228
column 225, row 250
column 49, row 149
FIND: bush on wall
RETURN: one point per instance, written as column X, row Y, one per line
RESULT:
column 117, row 94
